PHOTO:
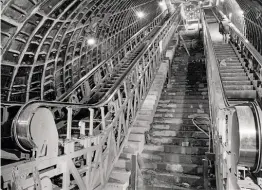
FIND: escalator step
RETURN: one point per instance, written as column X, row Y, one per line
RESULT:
column 238, row 87
column 241, row 94
column 233, row 74
column 232, row 70
column 230, row 67
column 238, row 78
column 247, row 82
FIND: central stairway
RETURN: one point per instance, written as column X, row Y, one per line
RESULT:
column 173, row 153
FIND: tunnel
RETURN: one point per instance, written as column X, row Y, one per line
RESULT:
column 131, row 94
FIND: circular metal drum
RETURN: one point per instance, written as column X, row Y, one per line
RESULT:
column 247, row 136
column 37, row 131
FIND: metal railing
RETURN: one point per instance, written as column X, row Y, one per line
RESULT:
column 103, row 132
column 85, row 86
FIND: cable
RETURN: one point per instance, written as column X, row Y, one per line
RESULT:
column 197, row 120
column 203, row 121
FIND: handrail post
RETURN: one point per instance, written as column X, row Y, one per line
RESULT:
column 69, row 122
column 103, row 117
column 91, row 122
column 82, row 126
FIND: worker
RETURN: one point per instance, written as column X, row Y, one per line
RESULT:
column 221, row 28
column 225, row 24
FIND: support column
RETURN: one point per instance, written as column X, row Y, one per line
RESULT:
column 170, row 6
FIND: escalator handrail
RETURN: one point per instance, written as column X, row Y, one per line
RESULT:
column 207, row 36
column 84, row 78
column 25, row 113
column 96, row 68
column 113, row 90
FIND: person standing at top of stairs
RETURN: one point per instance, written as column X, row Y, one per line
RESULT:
column 224, row 29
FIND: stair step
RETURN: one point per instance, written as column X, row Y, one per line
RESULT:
column 179, row 115
column 183, row 110
column 166, row 186
column 191, row 89
column 120, row 174
column 138, row 129
column 188, row 82
column 172, row 178
column 176, row 149
column 172, row 133
column 193, row 85
column 187, row 101
column 159, row 140
column 174, row 95
column 124, row 163
column 178, row 121
column 175, row 127
column 172, row 157
column 168, row 104
column 136, row 137
column 114, row 184
column 192, row 169
column 171, row 92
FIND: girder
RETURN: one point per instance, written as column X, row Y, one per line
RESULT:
column 44, row 43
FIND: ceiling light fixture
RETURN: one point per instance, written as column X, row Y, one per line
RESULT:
column 140, row 14
column 91, row 41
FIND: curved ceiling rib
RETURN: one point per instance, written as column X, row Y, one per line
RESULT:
column 44, row 43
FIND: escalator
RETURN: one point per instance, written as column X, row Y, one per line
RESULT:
column 235, row 79
column 236, row 112
column 78, row 148
column 12, row 153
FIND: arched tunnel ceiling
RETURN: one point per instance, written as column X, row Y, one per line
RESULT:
column 44, row 42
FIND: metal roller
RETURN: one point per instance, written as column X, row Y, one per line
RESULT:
column 247, row 136
column 36, row 131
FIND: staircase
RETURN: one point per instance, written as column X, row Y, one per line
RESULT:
column 236, row 82
column 173, row 153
